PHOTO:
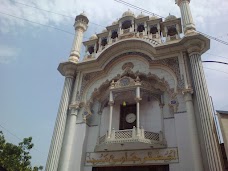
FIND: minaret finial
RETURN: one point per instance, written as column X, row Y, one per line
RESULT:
column 188, row 23
column 80, row 25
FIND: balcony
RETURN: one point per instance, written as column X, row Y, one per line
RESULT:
column 129, row 139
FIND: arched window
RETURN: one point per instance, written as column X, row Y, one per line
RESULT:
column 172, row 31
column 140, row 28
column 114, row 34
column 126, row 24
column 153, row 30
column 91, row 49
column 104, row 41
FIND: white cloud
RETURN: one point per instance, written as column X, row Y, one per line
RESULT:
column 8, row 54
column 103, row 12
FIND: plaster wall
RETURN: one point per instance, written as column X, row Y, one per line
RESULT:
column 223, row 121
column 183, row 143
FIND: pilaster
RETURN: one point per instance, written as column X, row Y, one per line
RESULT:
column 195, row 145
column 57, row 138
column 66, row 151
column 205, row 111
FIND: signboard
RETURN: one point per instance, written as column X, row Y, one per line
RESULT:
column 121, row 158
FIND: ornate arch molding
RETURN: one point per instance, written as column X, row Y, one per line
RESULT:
column 127, row 46
column 148, row 82
column 171, row 65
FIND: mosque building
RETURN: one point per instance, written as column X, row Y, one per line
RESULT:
column 138, row 100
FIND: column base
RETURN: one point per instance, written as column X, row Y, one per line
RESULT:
column 73, row 58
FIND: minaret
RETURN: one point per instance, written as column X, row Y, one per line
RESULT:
column 53, row 160
column 195, row 47
column 80, row 25
column 186, row 15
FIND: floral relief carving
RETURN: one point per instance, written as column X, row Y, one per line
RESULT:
column 171, row 63
column 127, row 66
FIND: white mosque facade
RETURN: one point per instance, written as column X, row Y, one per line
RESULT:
column 138, row 100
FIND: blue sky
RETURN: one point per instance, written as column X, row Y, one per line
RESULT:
column 31, row 86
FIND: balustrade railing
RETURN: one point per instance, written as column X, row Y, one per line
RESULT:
column 131, row 135
column 123, row 134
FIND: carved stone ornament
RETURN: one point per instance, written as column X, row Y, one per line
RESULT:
column 186, row 91
column 124, row 82
column 127, row 66
column 171, row 63
column 76, row 105
column 88, row 108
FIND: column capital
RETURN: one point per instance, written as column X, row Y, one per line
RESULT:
column 187, row 91
column 187, row 94
column 76, row 105
column 111, row 103
column 79, row 26
column 74, row 57
column 67, row 69
column 138, row 99
column 195, row 46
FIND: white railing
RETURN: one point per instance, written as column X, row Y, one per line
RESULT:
column 151, row 135
column 123, row 134
column 131, row 135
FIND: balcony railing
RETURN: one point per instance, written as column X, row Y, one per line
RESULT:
column 131, row 139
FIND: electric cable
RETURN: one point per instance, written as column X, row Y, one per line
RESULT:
column 20, row 139
column 216, row 62
column 53, row 27
column 56, row 13
column 148, row 12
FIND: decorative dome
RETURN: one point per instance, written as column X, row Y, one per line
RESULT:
column 170, row 17
column 83, row 17
column 153, row 17
column 128, row 13
column 94, row 36
column 115, row 22
column 105, row 30
column 140, row 16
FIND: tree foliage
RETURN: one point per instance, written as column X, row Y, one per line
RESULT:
column 16, row 157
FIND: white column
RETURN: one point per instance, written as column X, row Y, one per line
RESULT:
column 65, row 157
column 111, row 102
column 137, row 108
column 162, row 117
column 77, row 43
column 57, row 138
column 186, row 15
column 81, row 24
column 195, row 145
column 206, row 117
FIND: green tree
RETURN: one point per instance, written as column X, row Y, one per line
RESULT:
column 16, row 157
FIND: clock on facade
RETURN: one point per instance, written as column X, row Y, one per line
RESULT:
column 130, row 118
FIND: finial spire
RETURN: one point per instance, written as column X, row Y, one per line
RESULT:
column 80, row 25
column 186, row 16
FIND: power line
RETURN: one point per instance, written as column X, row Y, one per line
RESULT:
column 42, row 9
column 214, row 38
column 148, row 12
column 11, row 133
column 56, row 13
column 17, row 137
column 216, row 62
column 37, row 23
column 216, row 70
column 216, row 55
column 137, row 8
